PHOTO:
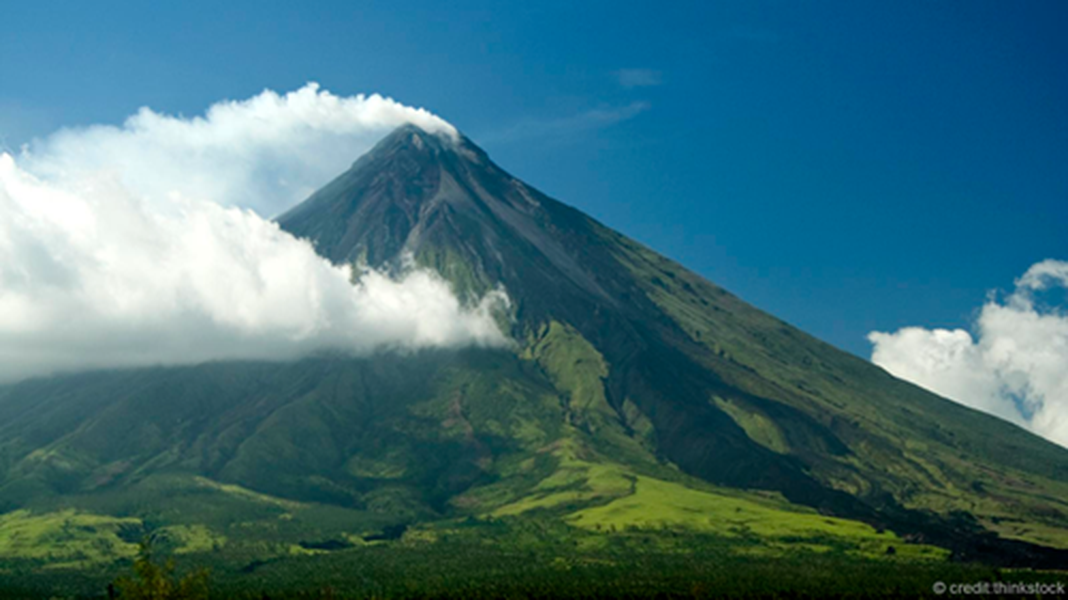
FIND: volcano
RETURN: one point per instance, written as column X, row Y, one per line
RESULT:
column 637, row 395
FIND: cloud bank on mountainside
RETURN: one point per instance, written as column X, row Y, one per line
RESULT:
column 266, row 153
column 142, row 244
column 1015, row 366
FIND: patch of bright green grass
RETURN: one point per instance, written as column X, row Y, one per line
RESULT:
column 191, row 538
column 576, row 368
column 1028, row 531
column 656, row 504
column 65, row 538
column 575, row 481
column 756, row 425
column 246, row 494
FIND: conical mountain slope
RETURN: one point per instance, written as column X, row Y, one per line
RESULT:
column 638, row 395
column 448, row 204
column 480, row 227
column 733, row 395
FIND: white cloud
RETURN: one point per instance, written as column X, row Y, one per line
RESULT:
column 1041, row 275
column 265, row 153
column 122, row 246
column 632, row 78
column 1016, row 365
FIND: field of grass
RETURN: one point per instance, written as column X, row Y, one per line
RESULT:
column 535, row 558
column 588, row 522
column 66, row 539
column 663, row 505
column 575, row 482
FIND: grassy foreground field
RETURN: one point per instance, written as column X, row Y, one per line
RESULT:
column 588, row 529
column 529, row 558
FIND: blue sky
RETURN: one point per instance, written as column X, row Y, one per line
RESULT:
column 846, row 166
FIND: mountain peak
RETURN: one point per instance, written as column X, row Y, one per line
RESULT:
column 444, row 200
column 411, row 139
column 391, row 195
column 415, row 137
column 371, row 211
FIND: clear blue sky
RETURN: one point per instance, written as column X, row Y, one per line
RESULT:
column 846, row 166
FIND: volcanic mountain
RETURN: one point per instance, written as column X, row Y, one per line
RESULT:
column 638, row 394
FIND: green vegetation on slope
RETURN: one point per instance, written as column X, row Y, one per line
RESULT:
column 757, row 425
column 927, row 453
column 774, row 526
column 67, row 538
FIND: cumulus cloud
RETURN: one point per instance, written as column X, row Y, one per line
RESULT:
column 137, row 245
column 1015, row 366
column 265, row 153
